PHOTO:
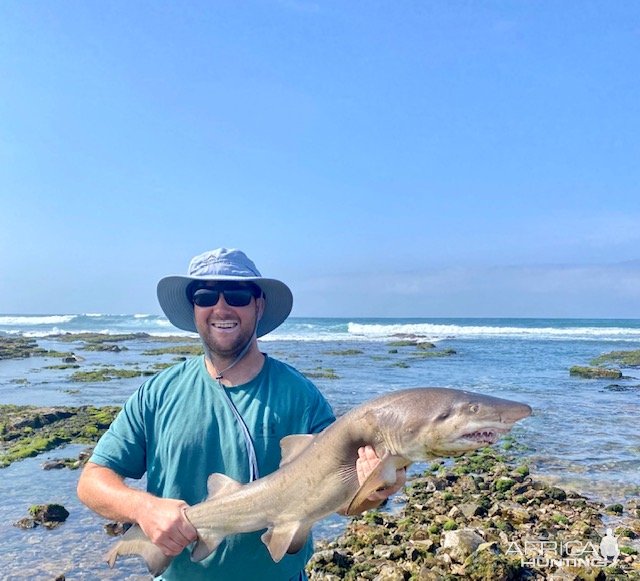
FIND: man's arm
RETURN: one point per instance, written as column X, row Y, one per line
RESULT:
column 161, row 519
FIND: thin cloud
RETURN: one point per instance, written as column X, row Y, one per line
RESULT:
column 599, row 291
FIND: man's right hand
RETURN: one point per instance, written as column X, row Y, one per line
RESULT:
column 161, row 519
column 164, row 522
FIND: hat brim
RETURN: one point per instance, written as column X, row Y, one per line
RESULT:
column 172, row 296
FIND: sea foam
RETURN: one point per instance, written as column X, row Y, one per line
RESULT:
column 27, row 320
column 436, row 332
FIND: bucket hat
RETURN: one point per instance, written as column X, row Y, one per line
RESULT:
column 223, row 264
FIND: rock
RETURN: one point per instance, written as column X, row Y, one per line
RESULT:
column 389, row 552
column 516, row 513
column 595, row 372
column 84, row 456
column 471, row 509
column 487, row 562
column 115, row 529
column 55, row 464
column 557, row 493
column 615, row 508
column 25, row 523
column 503, row 484
column 49, row 513
column 27, row 431
column 389, row 573
column 331, row 561
column 461, row 543
column 18, row 348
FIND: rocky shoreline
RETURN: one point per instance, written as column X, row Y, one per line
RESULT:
column 484, row 517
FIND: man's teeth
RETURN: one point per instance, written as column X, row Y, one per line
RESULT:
column 224, row 324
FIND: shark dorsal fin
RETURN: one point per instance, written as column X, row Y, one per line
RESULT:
column 382, row 476
column 220, row 484
column 292, row 446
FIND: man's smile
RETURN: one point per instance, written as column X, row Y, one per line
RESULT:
column 224, row 325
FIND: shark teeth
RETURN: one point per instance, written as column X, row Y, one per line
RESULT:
column 489, row 436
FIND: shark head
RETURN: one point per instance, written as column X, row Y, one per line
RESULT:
column 450, row 422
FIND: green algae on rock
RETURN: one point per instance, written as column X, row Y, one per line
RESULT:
column 595, row 372
column 19, row 348
column 321, row 373
column 107, row 374
column 27, row 431
column 403, row 343
column 435, row 353
column 188, row 350
column 345, row 352
column 624, row 358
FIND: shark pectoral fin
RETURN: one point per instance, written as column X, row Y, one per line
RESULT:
column 279, row 538
column 382, row 476
column 135, row 542
column 219, row 485
column 208, row 542
column 292, row 446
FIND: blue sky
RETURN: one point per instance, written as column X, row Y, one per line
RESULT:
column 446, row 158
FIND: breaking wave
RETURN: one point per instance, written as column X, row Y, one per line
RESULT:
column 435, row 332
column 29, row 320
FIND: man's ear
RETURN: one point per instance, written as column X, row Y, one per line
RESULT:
column 260, row 305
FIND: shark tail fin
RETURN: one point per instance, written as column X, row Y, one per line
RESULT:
column 135, row 542
column 284, row 537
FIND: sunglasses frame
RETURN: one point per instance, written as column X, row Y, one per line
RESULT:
column 231, row 295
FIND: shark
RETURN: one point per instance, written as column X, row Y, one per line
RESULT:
column 317, row 474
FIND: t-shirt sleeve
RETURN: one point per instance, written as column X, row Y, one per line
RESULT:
column 122, row 448
column 320, row 414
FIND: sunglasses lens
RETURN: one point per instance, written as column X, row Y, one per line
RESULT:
column 238, row 297
column 206, row 297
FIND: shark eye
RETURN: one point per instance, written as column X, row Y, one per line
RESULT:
column 474, row 408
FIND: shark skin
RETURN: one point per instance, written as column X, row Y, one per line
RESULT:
column 317, row 474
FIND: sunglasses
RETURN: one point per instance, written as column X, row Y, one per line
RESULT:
column 233, row 296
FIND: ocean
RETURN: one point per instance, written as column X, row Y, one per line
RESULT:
column 583, row 434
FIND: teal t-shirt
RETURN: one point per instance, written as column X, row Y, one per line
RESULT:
column 178, row 428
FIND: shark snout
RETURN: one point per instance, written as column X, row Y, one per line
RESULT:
column 513, row 412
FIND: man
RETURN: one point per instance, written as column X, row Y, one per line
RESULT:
column 224, row 412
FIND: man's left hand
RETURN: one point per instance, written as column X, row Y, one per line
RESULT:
column 366, row 463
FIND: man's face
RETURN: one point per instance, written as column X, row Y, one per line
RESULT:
column 223, row 328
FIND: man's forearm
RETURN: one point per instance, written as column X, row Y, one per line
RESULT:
column 105, row 492
column 161, row 519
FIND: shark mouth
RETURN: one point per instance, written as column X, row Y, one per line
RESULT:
column 485, row 436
